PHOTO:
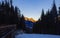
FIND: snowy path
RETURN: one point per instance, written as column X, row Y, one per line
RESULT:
column 36, row 36
column 21, row 34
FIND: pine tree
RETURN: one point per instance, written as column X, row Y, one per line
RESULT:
column 22, row 23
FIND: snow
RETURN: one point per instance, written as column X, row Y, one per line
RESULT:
column 21, row 34
column 29, row 24
column 36, row 36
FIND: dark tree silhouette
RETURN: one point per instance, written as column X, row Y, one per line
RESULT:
column 22, row 23
column 49, row 23
column 8, row 13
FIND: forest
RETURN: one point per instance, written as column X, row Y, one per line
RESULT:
column 49, row 23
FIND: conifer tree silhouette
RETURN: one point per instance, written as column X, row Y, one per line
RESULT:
column 8, row 13
column 22, row 22
column 49, row 23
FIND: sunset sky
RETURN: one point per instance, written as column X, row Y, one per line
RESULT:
column 32, row 8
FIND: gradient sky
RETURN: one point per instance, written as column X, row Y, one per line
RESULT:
column 33, row 8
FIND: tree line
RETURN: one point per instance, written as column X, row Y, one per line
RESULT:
column 49, row 23
column 10, row 14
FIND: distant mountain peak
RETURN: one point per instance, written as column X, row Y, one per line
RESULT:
column 30, row 19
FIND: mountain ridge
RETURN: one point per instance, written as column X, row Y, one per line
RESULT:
column 29, row 19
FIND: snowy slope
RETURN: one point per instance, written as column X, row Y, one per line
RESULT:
column 21, row 34
column 36, row 36
column 29, row 24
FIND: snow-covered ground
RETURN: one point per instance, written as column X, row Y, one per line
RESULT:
column 36, row 36
column 21, row 34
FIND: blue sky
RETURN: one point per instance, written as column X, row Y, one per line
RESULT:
column 32, row 8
